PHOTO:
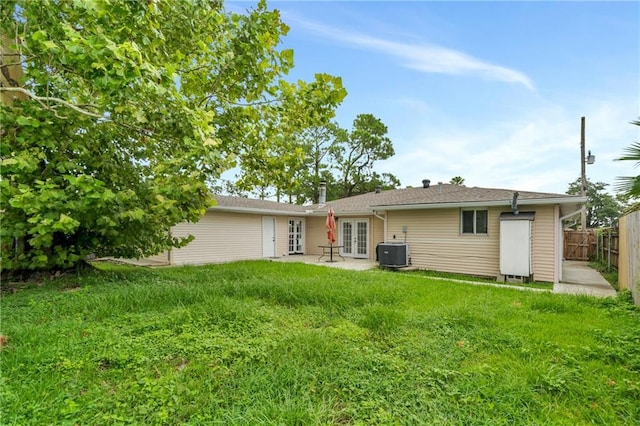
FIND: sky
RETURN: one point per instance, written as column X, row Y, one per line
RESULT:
column 493, row 92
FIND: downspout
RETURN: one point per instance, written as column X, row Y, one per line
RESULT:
column 563, row 218
column 384, row 221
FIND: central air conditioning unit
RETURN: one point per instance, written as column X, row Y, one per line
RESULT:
column 393, row 255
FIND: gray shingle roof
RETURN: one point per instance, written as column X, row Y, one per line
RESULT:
column 227, row 202
column 434, row 195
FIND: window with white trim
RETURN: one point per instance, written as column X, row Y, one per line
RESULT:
column 474, row 221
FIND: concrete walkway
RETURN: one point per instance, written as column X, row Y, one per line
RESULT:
column 579, row 278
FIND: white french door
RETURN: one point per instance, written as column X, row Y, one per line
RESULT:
column 354, row 237
column 296, row 236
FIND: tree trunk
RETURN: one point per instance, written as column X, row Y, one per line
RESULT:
column 11, row 74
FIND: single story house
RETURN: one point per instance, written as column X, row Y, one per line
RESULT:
column 449, row 228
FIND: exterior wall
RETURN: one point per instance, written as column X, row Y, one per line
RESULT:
column 377, row 235
column 282, row 236
column 435, row 241
column 543, row 248
column 315, row 234
column 224, row 237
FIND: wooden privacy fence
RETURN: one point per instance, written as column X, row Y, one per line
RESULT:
column 579, row 245
column 608, row 246
column 629, row 268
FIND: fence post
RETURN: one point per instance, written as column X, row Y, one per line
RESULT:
column 609, row 248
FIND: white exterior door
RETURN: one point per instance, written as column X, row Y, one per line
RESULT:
column 268, row 236
column 354, row 237
column 296, row 236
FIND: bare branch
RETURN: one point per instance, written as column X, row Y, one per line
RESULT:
column 42, row 99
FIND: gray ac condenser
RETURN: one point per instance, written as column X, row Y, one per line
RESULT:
column 393, row 255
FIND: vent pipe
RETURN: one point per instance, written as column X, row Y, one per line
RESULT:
column 322, row 197
column 378, row 189
column 514, row 204
column 440, row 187
column 425, row 183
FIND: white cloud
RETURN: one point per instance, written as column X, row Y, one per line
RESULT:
column 536, row 152
column 426, row 58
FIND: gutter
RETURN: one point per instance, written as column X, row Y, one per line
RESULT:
column 258, row 211
column 491, row 203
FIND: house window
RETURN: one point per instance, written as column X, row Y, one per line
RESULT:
column 474, row 221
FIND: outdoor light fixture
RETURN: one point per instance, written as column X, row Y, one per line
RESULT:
column 590, row 158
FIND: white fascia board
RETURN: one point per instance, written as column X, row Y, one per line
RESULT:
column 494, row 203
column 342, row 214
column 351, row 213
column 257, row 211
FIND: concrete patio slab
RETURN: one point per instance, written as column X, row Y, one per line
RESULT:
column 347, row 263
column 578, row 278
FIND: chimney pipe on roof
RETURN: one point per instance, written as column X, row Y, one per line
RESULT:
column 440, row 187
column 322, row 197
column 425, row 183
column 378, row 189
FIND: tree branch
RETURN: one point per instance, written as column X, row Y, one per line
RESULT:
column 42, row 99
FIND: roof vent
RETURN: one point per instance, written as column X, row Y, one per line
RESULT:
column 378, row 189
column 425, row 183
column 440, row 187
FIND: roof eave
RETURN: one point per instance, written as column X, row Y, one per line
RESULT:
column 257, row 211
column 489, row 203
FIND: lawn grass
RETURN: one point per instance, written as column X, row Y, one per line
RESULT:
column 284, row 343
column 610, row 274
column 542, row 285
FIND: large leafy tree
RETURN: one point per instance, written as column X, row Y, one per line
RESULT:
column 343, row 159
column 319, row 144
column 603, row 208
column 355, row 157
column 630, row 185
column 123, row 113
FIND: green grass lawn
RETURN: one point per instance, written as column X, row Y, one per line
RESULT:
column 284, row 343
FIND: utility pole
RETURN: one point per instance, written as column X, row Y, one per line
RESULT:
column 583, row 179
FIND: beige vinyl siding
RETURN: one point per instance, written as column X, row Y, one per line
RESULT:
column 220, row 237
column 544, row 239
column 315, row 234
column 282, row 236
column 377, row 235
column 435, row 241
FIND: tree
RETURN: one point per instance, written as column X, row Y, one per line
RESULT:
column 457, row 180
column 126, row 110
column 319, row 144
column 603, row 209
column 630, row 185
column 355, row 156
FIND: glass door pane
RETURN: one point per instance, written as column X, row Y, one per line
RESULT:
column 298, row 236
column 362, row 233
column 347, row 237
column 291, row 236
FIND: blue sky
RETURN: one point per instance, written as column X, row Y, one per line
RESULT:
column 490, row 91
